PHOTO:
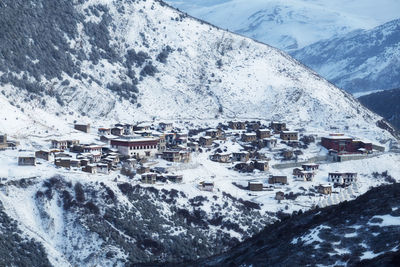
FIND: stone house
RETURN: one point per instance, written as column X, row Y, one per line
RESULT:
column 324, row 189
column 237, row 125
column 310, row 167
column 277, row 127
column 261, row 165
column 90, row 169
column 255, row 186
column 221, row 157
column 249, row 137
column 82, row 127
column 253, row 125
column 214, row 133
column 26, row 160
column 45, row 154
column 206, row 141
column 243, row 156
column 176, row 156
column 174, row 178
column 206, row 186
column 278, row 180
column 289, row 135
column 305, row 176
column 59, row 144
column 263, row 133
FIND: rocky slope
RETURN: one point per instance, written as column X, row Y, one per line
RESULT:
column 349, row 232
column 15, row 248
column 386, row 104
column 88, row 222
column 359, row 61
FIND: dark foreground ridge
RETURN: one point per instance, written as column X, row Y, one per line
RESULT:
column 345, row 234
column 386, row 104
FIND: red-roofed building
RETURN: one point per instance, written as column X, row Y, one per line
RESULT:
column 341, row 143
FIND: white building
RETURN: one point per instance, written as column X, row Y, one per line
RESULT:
column 136, row 147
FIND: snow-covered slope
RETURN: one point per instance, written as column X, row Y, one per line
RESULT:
column 292, row 24
column 138, row 60
column 358, row 61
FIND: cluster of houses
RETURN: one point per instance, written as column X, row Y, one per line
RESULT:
column 253, row 136
column 127, row 147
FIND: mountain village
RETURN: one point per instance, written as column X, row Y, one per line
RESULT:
column 269, row 155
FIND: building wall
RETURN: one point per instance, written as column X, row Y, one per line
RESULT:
column 128, row 150
column 82, row 127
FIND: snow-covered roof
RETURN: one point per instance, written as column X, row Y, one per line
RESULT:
column 136, row 139
column 337, row 137
column 26, row 155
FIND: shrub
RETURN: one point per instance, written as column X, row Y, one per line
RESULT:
column 79, row 193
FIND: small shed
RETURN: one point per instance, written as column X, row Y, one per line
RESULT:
column 324, row 189
column 261, row 165
column 90, row 169
column 82, row 127
column 278, row 180
column 44, row 154
column 175, row 178
column 255, row 186
column 207, row 186
column 26, row 160
column 249, row 137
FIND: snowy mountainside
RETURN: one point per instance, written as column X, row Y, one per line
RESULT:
column 139, row 60
column 350, row 232
column 293, row 24
column 86, row 221
column 360, row 61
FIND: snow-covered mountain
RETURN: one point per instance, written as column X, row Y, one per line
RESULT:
column 104, row 62
column 140, row 60
column 363, row 60
column 291, row 24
